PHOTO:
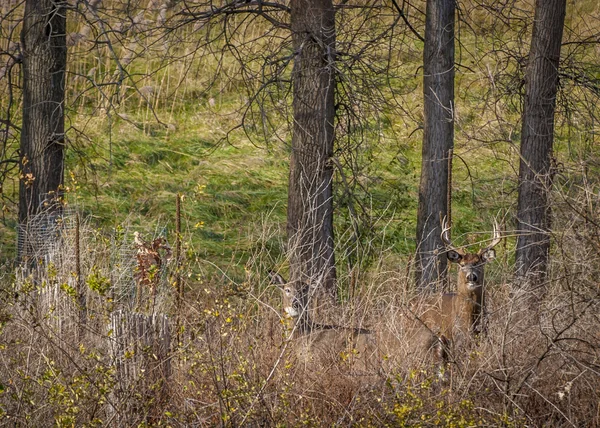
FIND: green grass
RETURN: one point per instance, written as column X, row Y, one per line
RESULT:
column 130, row 167
column 229, row 190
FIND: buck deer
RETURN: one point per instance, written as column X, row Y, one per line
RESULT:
column 461, row 311
column 323, row 344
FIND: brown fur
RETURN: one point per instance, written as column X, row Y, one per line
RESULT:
column 323, row 346
column 459, row 313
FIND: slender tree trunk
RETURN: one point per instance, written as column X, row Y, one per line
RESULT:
column 310, row 199
column 43, row 41
column 537, row 134
column 438, row 139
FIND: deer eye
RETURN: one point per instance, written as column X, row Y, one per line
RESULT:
column 453, row 256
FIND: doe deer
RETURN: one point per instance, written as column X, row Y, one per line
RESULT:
column 323, row 344
column 460, row 311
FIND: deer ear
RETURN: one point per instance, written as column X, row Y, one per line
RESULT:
column 453, row 256
column 489, row 255
column 276, row 278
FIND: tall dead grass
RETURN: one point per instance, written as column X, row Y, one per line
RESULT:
column 536, row 364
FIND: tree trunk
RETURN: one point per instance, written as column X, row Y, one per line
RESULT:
column 533, row 210
column 310, row 199
column 438, row 139
column 43, row 41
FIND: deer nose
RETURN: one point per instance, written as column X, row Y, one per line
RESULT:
column 472, row 277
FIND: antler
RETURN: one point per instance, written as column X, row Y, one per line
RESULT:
column 445, row 235
column 497, row 237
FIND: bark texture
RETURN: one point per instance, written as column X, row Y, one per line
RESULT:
column 310, row 199
column 537, row 135
column 43, row 41
column 438, row 139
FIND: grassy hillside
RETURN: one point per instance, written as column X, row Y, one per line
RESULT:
column 167, row 131
column 172, row 127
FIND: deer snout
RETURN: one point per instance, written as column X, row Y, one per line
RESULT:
column 291, row 311
column 472, row 277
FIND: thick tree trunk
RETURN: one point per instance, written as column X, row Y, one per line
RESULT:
column 533, row 211
column 438, row 139
column 310, row 203
column 43, row 41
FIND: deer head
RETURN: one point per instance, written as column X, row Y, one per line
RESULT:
column 295, row 300
column 471, row 265
column 468, row 301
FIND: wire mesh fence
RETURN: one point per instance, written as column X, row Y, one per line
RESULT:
column 84, row 286
column 58, row 240
column 40, row 238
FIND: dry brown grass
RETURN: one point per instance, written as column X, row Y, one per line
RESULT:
column 233, row 365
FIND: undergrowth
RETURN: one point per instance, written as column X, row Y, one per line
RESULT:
column 221, row 356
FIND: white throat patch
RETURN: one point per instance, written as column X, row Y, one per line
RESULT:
column 472, row 286
column 291, row 311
